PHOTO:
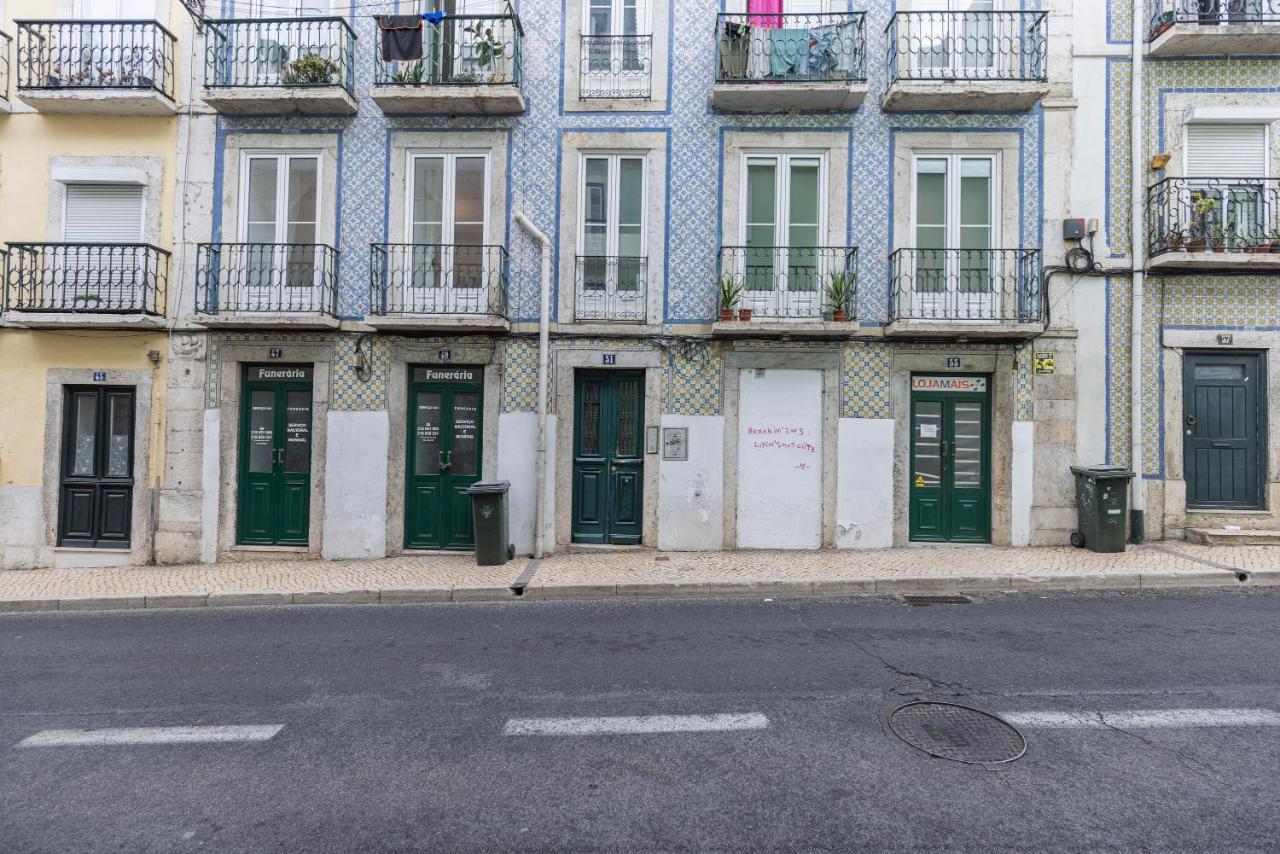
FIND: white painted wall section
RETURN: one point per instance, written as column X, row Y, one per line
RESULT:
column 691, row 492
column 21, row 525
column 1091, row 370
column 780, row 459
column 1022, row 482
column 355, row 500
column 210, row 484
column 517, row 447
column 864, row 485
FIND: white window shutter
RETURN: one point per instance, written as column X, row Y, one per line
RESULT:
column 103, row 213
column 1226, row 151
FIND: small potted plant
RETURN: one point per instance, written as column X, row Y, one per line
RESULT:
column 839, row 292
column 1176, row 239
column 1161, row 22
column 744, row 315
column 486, row 46
column 412, row 75
column 311, row 70
column 1218, row 239
column 1261, row 246
column 1274, row 238
column 86, row 302
column 730, row 291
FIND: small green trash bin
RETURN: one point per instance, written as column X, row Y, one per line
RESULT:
column 1102, row 507
column 489, row 515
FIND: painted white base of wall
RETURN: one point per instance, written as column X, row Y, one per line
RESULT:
column 864, row 488
column 1022, row 482
column 1090, row 307
column 22, row 528
column 355, row 501
column 210, row 483
column 517, row 453
column 691, row 492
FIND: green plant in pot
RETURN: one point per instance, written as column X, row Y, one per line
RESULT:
column 839, row 294
column 311, row 70
column 412, row 75
column 730, row 293
column 486, row 46
column 1203, row 207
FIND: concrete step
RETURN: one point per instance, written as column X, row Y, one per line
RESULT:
column 1234, row 536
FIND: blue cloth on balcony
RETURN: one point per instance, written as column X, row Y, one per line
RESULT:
column 788, row 52
column 823, row 57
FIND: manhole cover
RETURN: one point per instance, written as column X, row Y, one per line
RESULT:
column 916, row 600
column 952, row 731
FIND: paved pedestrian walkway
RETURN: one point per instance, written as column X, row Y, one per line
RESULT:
column 597, row 573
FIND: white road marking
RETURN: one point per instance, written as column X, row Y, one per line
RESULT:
column 150, row 735
column 1145, row 719
column 634, row 725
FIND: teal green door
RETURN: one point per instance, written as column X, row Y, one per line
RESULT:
column 608, row 460
column 443, row 456
column 274, row 502
column 950, row 460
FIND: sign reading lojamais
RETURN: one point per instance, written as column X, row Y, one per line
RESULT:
column 965, row 384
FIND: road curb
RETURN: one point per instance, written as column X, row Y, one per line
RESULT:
column 659, row 590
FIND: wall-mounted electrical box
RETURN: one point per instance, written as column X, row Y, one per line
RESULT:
column 1074, row 229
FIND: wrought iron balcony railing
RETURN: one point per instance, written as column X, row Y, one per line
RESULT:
column 611, row 288
column 459, row 50
column 967, row 46
column 6, row 45
column 95, row 55
column 1213, row 215
column 88, row 278
column 792, row 282
column 436, row 279
column 268, row 278
column 265, row 52
column 997, row 285
column 616, row 67
column 1212, row 13
column 804, row 48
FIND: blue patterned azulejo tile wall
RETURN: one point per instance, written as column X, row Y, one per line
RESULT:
column 692, row 227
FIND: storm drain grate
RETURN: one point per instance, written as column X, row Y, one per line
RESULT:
column 921, row 601
column 959, row 733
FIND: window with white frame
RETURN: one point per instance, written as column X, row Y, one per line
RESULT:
column 279, row 220
column 954, row 222
column 780, row 264
column 958, row 38
column 1226, row 167
column 612, row 263
column 616, row 49
column 446, row 224
column 94, row 275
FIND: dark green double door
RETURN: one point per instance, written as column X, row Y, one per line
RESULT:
column 274, row 506
column 950, row 460
column 608, row 460
column 443, row 456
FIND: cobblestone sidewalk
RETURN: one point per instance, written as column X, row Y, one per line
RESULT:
column 445, row 577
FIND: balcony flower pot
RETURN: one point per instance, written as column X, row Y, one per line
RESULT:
column 744, row 315
column 1218, row 245
column 839, row 315
column 1196, row 244
column 1275, row 245
column 86, row 302
column 730, row 292
column 726, row 313
column 1260, row 248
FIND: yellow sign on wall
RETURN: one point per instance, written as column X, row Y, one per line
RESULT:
column 1045, row 363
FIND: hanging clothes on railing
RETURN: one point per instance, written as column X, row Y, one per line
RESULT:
column 401, row 37
column 734, row 50
column 764, row 16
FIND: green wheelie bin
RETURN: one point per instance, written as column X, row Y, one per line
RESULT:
column 489, row 514
column 1102, row 507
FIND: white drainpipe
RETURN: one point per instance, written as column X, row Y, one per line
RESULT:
column 1138, row 249
column 544, row 346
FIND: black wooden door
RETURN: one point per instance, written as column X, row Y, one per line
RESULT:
column 1224, row 429
column 96, row 500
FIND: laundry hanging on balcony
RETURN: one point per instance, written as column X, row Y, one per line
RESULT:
column 402, row 36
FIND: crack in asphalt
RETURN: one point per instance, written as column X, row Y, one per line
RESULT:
column 1193, row 765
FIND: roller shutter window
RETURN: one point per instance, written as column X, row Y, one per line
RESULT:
column 103, row 213
column 1226, row 151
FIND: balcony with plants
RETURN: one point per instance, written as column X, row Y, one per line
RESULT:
column 771, row 62
column 452, row 64
column 965, row 293
column 267, row 284
column 772, row 290
column 104, row 285
column 123, row 68
column 272, row 66
column 966, row 61
column 1214, row 28
column 432, row 287
column 1214, row 224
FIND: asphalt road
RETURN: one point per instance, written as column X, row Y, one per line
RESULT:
column 393, row 726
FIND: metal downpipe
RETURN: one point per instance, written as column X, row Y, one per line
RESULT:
column 544, row 346
column 1137, row 251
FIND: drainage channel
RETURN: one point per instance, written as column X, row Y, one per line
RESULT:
column 521, row 583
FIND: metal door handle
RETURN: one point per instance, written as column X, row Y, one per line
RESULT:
column 444, row 464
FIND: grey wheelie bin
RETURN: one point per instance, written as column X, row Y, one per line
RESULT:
column 1102, row 507
column 489, row 514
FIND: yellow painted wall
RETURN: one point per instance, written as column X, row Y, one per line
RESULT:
column 27, row 356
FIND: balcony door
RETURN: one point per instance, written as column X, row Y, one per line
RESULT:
column 261, row 53
column 1226, row 164
column 783, row 218
column 102, row 55
column 98, row 276
column 615, row 62
column 447, row 224
column 956, row 39
column 612, row 264
column 954, row 223
column 280, row 216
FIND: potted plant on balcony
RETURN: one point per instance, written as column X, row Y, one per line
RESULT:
column 1218, row 240
column 1161, row 22
column 486, row 47
column 310, row 70
column 1203, row 207
column 839, row 291
column 412, row 75
column 1274, row 239
column 730, row 291
column 1175, row 238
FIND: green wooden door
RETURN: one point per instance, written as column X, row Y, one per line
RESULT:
column 608, row 460
column 950, row 495
column 274, row 503
column 443, row 456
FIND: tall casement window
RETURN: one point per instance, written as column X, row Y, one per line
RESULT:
column 1225, row 192
column 616, row 48
column 446, row 224
column 279, row 220
column 954, row 221
column 783, row 218
column 960, row 38
column 96, row 500
column 612, row 262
